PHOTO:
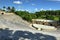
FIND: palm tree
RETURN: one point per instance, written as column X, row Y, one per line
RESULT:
column 4, row 8
column 13, row 9
column 8, row 9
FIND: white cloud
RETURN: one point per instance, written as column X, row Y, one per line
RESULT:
column 21, row 9
column 17, row 2
column 27, row 10
column 33, row 4
column 53, row 0
column 36, row 9
column 42, row 9
column 50, row 9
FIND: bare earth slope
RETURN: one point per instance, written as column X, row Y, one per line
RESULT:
column 18, row 29
column 11, row 20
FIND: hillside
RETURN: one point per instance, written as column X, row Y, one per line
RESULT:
column 15, row 28
column 12, row 20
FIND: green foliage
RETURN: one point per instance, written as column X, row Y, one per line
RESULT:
column 56, row 18
column 59, row 18
column 28, row 18
column 33, row 16
column 25, row 15
column 51, row 15
column 48, row 14
column 9, row 8
column 12, row 9
column 3, row 8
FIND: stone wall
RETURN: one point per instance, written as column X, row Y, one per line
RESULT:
column 45, row 23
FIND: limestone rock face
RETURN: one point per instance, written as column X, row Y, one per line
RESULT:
column 12, row 20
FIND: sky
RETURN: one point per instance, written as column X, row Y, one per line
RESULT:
column 31, row 5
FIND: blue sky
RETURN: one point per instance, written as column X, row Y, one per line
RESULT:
column 32, row 5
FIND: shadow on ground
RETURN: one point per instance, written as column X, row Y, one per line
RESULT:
column 6, row 34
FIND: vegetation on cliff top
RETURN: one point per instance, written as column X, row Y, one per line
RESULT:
column 48, row 14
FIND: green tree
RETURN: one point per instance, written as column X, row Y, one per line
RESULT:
column 25, row 15
column 13, row 9
column 4, row 8
column 8, row 9
column 59, row 18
